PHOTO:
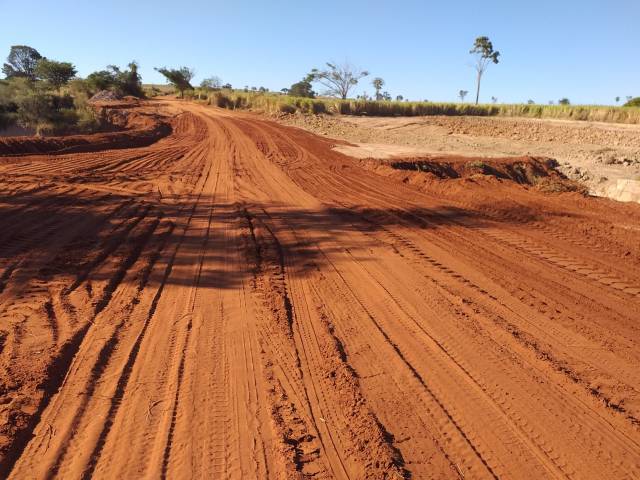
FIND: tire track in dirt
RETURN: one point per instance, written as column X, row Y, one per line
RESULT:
column 238, row 300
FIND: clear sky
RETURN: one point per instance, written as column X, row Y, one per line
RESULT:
column 586, row 50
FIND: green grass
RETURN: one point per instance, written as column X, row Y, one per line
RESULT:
column 276, row 103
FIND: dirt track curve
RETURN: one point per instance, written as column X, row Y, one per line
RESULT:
column 237, row 300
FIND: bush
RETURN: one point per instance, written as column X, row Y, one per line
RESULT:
column 634, row 102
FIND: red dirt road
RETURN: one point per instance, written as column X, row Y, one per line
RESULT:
column 237, row 300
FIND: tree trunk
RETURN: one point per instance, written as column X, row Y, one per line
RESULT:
column 478, row 89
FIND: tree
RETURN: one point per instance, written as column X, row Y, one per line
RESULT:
column 101, row 80
column 339, row 80
column 494, row 99
column 399, row 98
column 462, row 94
column 483, row 49
column 530, row 102
column 617, row 99
column 211, row 83
column 386, row 96
column 303, row 88
column 227, row 86
column 378, row 83
column 54, row 73
column 564, row 101
column 179, row 78
column 21, row 62
column 123, row 82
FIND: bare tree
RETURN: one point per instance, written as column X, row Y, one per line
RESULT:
column 339, row 80
column 483, row 49
column 462, row 94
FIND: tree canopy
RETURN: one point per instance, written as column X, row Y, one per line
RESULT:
column 211, row 83
column 178, row 77
column 123, row 82
column 338, row 80
column 303, row 88
column 21, row 62
column 54, row 73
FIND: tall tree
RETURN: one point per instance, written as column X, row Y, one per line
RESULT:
column 462, row 94
column 21, row 62
column 485, row 55
column 339, row 80
column 55, row 73
column 378, row 83
column 179, row 78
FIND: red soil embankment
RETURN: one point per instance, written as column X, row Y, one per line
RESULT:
column 139, row 128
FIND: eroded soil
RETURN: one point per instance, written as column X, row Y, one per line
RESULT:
column 601, row 156
column 239, row 300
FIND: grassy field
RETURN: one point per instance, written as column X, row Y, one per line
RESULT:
column 276, row 103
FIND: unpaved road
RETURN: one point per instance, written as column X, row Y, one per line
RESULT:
column 238, row 300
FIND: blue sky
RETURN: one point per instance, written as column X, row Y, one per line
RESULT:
column 585, row 50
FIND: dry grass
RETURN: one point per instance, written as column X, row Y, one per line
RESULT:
column 275, row 103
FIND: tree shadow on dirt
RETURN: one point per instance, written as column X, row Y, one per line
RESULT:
column 100, row 236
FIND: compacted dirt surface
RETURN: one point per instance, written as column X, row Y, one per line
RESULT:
column 237, row 299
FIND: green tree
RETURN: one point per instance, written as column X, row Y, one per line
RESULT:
column 211, row 83
column 178, row 77
column 101, row 80
column 530, row 102
column 378, row 83
column 54, row 73
column 462, row 94
column 564, row 101
column 617, row 99
column 303, row 88
column 123, row 82
column 485, row 55
column 21, row 62
column 338, row 80
column 399, row 98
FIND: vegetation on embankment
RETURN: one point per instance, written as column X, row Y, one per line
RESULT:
column 277, row 103
column 45, row 96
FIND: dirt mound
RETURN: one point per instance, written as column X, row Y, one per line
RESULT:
column 105, row 96
column 538, row 172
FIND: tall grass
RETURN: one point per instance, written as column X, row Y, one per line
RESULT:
column 275, row 103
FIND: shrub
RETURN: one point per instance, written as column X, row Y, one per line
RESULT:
column 634, row 102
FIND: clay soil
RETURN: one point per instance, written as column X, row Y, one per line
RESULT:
column 237, row 299
column 598, row 155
